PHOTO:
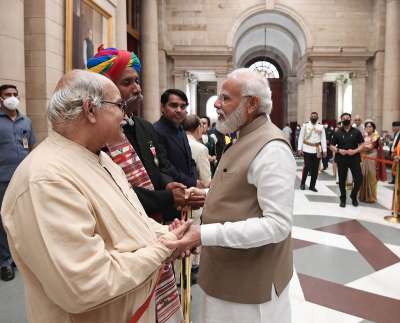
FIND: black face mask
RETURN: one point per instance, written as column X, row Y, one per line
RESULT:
column 314, row 120
column 346, row 123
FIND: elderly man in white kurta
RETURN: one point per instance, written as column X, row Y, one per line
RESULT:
column 85, row 248
column 311, row 145
column 246, row 262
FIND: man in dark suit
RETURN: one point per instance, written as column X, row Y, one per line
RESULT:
column 173, row 138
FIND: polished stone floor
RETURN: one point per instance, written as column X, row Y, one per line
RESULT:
column 347, row 261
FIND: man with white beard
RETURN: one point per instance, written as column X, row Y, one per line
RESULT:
column 246, row 262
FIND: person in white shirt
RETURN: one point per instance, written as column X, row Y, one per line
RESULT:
column 194, row 130
column 358, row 124
column 246, row 260
column 311, row 145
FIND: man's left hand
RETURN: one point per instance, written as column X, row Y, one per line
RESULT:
column 324, row 154
column 190, row 240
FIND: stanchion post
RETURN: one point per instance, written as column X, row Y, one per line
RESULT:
column 186, row 271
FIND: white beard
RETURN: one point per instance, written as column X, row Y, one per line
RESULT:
column 233, row 121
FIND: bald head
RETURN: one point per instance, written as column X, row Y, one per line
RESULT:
column 357, row 120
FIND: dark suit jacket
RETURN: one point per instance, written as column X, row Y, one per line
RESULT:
column 178, row 152
column 145, row 142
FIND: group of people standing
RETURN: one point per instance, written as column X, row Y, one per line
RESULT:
column 92, row 215
column 355, row 147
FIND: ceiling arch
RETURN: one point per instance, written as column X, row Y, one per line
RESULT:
column 271, row 29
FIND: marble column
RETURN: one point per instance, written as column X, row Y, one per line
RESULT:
column 179, row 80
column 193, row 95
column 391, row 90
column 316, row 98
column 358, row 97
column 150, row 73
column 339, row 98
column 313, row 95
column 292, row 99
column 12, row 55
column 300, row 101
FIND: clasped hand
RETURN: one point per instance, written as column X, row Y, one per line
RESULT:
column 348, row 152
column 188, row 238
column 183, row 196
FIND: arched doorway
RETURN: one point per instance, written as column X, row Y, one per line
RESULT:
column 272, row 71
column 274, row 37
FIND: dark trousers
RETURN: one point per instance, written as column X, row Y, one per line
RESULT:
column 311, row 164
column 5, row 256
column 326, row 159
column 355, row 167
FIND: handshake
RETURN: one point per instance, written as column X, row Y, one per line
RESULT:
column 188, row 238
column 193, row 197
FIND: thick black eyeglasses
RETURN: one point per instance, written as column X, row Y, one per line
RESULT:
column 122, row 105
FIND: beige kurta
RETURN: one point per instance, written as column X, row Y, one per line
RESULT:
column 80, row 237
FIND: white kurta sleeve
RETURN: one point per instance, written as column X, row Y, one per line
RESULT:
column 273, row 172
column 68, row 256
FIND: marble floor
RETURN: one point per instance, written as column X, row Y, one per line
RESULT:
column 347, row 261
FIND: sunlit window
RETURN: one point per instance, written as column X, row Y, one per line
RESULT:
column 265, row 68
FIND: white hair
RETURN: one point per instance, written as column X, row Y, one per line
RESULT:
column 72, row 90
column 254, row 84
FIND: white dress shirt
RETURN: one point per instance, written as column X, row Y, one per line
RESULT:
column 273, row 172
column 313, row 133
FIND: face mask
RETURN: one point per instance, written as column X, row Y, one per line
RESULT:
column 313, row 120
column 346, row 123
column 11, row 103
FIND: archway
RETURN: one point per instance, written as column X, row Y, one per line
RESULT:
column 274, row 37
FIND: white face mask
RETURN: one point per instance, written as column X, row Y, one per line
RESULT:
column 11, row 103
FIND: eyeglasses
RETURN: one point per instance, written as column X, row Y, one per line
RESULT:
column 122, row 105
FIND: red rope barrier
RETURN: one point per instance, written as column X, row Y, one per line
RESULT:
column 379, row 160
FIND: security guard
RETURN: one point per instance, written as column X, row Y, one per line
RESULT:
column 347, row 143
column 311, row 145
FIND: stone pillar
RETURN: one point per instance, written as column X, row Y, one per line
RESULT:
column 193, row 95
column 391, row 89
column 358, row 97
column 179, row 80
column 339, row 98
column 150, row 74
column 300, row 101
column 120, row 25
column 12, row 55
column 292, row 99
column 316, row 98
column 378, row 79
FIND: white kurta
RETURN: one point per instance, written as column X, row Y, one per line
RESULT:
column 273, row 172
